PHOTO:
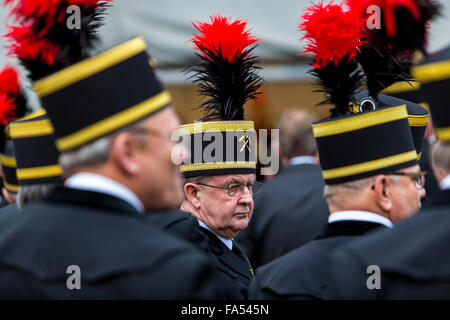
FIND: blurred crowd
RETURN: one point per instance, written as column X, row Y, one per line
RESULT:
column 105, row 195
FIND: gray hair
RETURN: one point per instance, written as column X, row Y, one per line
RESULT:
column 33, row 192
column 296, row 135
column 92, row 154
column 336, row 194
column 197, row 179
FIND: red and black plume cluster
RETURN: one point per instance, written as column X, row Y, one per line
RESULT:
column 225, row 70
column 387, row 57
column 342, row 44
column 404, row 23
column 41, row 38
column 332, row 35
column 13, row 104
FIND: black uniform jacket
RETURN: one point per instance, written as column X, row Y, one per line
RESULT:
column 305, row 272
column 290, row 211
column 233, row 264
column 3, row 202
column 13, row 208
column 414, row 258
column 120, row 255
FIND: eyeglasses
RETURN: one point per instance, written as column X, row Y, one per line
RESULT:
column 417, row 177
column 236, row 190
column 148, row 131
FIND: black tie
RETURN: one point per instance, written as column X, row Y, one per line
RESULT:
column 240, row 253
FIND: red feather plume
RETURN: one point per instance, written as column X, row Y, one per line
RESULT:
column 7, row 109
column 43, row 42
column 49, row 12
column 26, row 46
column 330, row 33
column 9, row 81
column 224, row 37
column 388, row 8
column 9, row 93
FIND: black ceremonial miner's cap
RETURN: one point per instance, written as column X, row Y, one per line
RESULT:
column 9, row 165
column 434, row 77
column 358, row 146
column 231, row 145
column 36, row 153
column 226, row 73
column 417, row 115
column 410, row 91
column 101, row 94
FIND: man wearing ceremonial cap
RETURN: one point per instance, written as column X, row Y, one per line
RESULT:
column 13, row 105
column 220, row 171
column 112, row 123
column 433, row 75
column 38, row 171
column 413, row 259
column 368, row 160
column 9, row 178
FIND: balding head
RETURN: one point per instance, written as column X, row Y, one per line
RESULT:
column 296, row 135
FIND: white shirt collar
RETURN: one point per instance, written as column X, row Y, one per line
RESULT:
column 445, row 184
column 98, row 183
column 359, row 216
column 227, row 242
column 302, row 160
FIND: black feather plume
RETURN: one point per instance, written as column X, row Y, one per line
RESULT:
column 228, row 85
column 76, row 44
column 382, row 69
column 60, row 46
column 387, row 55
column 339, row 83
column 411, row 33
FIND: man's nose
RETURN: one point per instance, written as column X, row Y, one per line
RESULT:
column 246, row 196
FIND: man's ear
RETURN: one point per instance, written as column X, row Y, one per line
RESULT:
column 123, row 153
column 440, row 174
column 192, row 192
column 382, row 188
column 6, row 195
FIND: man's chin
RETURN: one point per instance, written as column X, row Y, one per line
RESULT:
column 242, row 223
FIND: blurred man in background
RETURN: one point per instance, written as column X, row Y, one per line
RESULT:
column 290, row 210
column 112, row 121
column 412, row 260
column 431, row 185
column 361, row 198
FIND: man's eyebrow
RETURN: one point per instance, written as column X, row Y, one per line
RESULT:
column 237, row 181
column 232, row 180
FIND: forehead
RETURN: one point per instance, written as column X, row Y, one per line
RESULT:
column 164, row 120
column 227, row 178
column 415, row 168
